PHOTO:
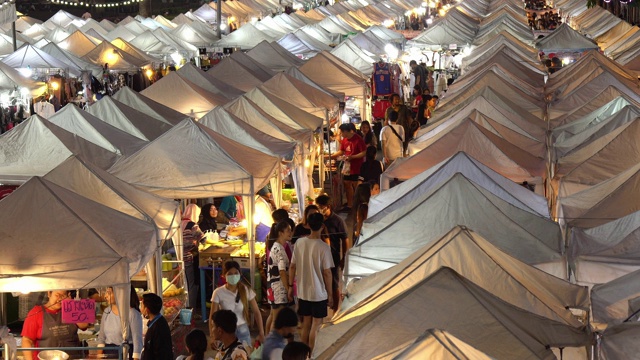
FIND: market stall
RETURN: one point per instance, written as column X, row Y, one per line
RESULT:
column 87, row 225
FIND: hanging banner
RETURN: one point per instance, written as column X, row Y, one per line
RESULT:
column 8, row 13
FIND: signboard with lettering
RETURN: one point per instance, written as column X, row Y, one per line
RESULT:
column 78, row 311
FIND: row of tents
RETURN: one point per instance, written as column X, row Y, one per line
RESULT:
column 460, row 227
column 501, row 128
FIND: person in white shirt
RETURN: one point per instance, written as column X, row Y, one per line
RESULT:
column 311, row 268
column 240, row 299
column 392, row 138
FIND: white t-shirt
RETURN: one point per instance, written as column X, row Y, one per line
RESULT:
column 391, row 144
column 227, row 301
column 311, row 256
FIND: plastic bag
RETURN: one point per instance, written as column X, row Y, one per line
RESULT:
column 7, row 338
column 257, row 353
column 346, row 168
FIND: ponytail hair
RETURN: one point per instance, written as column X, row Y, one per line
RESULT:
column 242, row 289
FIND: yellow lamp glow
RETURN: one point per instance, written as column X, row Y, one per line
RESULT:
column 112, row 56
column 55, row 85
column 149, row 73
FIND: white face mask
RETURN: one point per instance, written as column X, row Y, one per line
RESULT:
column 233, row 279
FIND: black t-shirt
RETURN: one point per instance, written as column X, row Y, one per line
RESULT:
column 421, row 72
column 371, row 170
column 298, row 232
column 337, row 232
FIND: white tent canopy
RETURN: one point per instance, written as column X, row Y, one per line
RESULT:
column 152, row 108
column 285, row 112
column 246, row 37
column 284, row 128
column 565, row 38
column 352, row 54
column 11, row 79
column 455, row 201
column 217, row 166
column 224, row 123
column 78, row 44
column 183, row 96
column 274, row 56
column 469, row 254
column 434, row 344
column 619, row 341
column 606, row 252
column 206, row 81
column 36, row 146
column 601, row 203
column 128, row 119
column 71, row 60
column 29, row 56
column 97, row 185
column 232, row 72
column 616, row 301
column 497, row 153
column 89, row 127
column 332, row 73
column 116, row 252
column 499, row 329
column 474, row 170
column 304, row 96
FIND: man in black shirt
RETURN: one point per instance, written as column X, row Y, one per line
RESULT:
column 420, row 74
column 339, row 241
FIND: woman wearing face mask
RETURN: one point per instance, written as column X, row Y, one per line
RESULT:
column 240, row 299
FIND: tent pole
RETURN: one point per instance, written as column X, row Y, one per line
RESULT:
column 329, row 151
column 159, row 271
column 251, row 234
column 219, row 17
column 13, row 33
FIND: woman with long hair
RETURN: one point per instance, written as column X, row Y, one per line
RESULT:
column 278, row 271
column 303, row 229
column 368, row 136
column 239, row 298
column 208, row 222
column 197, row 345
column 111, row 329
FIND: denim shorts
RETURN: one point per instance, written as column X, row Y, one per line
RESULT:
column 243, row 334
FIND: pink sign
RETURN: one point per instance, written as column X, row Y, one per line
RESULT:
column 78, row 311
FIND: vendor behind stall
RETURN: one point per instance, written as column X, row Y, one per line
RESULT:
column 43, row 326
column 263, row 208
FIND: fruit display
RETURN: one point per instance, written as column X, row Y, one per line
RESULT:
column 171, row 307
column 237, row 231
column 243, row 251
column 172, row 290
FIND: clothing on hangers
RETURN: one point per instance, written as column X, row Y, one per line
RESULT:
column 44, row 109
column 381, row 79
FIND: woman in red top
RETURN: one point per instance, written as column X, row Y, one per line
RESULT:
column 43, row 326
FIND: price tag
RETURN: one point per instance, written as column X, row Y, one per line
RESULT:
column 78, row 311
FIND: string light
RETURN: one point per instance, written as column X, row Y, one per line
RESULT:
column 85, row 4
